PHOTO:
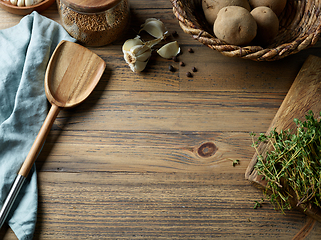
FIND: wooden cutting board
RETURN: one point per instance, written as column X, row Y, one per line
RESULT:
column 304, row 95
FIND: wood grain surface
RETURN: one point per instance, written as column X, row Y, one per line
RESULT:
column 150, row 155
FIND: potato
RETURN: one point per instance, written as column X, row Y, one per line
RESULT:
column 235, row 25
column 212, row 7
column 267, row 25
column 276, row 5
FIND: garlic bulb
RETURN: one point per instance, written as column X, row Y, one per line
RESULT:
column 136, row 54
column 154, row 27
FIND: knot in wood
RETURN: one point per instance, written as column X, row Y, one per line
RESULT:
column 207, row 149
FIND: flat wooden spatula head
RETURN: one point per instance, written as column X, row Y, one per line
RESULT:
column 72, row 74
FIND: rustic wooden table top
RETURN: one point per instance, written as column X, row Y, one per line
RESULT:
column 150, row 155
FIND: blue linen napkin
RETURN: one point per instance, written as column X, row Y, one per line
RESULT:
column 25, row 50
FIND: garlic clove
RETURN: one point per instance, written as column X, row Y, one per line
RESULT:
column 29, row 2
column 149, row 20
column 154, row 27
column 21, row 3
column 139, row 49
column 169, row 50
column 14, row 2
column 139, row 66
column 131, row 43
column 144, row 56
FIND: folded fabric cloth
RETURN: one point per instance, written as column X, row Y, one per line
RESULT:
column 25, row 50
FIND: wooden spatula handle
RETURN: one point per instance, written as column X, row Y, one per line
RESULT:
column 39, row 141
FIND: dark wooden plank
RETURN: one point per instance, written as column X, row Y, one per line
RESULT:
column 172, row 111
column 109, row 151
column 157, row 206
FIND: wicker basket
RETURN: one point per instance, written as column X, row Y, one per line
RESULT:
column 300, row 26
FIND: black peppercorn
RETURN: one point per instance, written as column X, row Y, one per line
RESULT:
column 171, row 68
column 194, row 69
column 174, row 34
column 190, row 50
column 182, row 64
column 189, row 74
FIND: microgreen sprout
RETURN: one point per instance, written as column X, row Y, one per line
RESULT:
column 235, row 162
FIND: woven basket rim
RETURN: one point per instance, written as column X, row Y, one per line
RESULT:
column 253, row 52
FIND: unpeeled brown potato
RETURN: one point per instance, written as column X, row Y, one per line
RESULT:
column 235, row 25
column 276, row 5
column 212, row 7
column 267, row 25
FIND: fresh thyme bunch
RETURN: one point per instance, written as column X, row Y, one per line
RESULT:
column 292, row 168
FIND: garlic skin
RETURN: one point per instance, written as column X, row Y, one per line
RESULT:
column 169, row 50
column 154, row 27
column 136, row 54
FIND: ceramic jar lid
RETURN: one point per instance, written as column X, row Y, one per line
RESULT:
column 90, row 6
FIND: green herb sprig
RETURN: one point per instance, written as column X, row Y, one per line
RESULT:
column 258, row 204
column 292, row 168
